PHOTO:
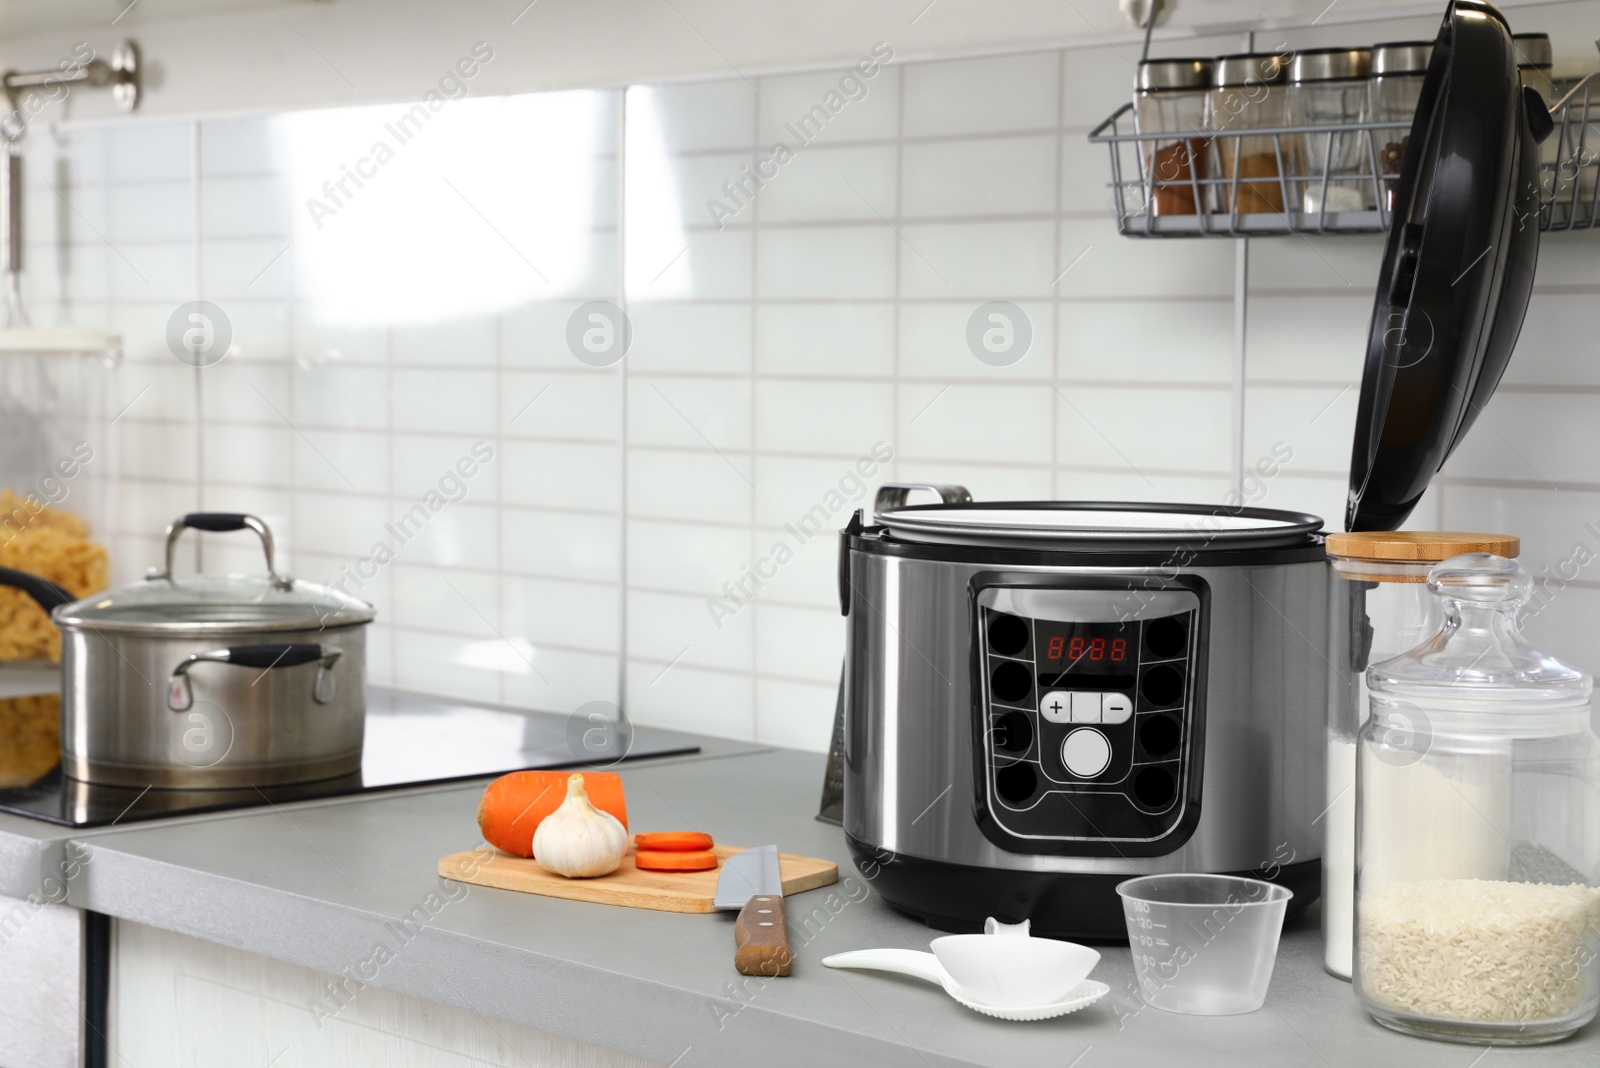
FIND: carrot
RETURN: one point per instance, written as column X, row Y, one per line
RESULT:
column 512, row 806
column 663, row 860
column 673, row 841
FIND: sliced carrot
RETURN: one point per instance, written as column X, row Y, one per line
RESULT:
column 673, row 841
column 664, row 860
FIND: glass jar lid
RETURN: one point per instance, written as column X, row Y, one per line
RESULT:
column 1533, row 51
column 1401, row 57
column 1163, row 75
column 1250, row 68
column 1479, row 659
column 1330, row 64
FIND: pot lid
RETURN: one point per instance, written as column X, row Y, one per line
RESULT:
column 1457, row 269
column 1098, row 526
column 215, row 604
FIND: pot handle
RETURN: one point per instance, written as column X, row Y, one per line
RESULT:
column 48, row 595
column 221, row 523
column 180, row 695
column 894, row 494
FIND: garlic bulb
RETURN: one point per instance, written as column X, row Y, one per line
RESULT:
column 578, row 840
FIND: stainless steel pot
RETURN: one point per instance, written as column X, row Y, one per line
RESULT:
column 209, row 681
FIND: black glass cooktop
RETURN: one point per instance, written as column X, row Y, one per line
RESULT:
column 411, row 740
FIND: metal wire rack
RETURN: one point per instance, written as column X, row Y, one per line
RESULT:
column 1173, row 185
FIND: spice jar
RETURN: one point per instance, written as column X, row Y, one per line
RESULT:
column 1171, row 100
column 1328, row 87
column 1249, row 93
column 1478, row 822
column 1535, row 60
column 1398, row 71
column 1380, row 599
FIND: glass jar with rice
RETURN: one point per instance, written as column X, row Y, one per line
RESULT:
column 1478, row 826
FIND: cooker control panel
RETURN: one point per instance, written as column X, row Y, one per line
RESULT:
column 1089, row 715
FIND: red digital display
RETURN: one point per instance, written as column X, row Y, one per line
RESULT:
column 1082, row 646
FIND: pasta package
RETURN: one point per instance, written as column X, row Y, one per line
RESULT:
column 52, row 543
column 30, row 738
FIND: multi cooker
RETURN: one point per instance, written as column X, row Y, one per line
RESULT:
column 1043, row 699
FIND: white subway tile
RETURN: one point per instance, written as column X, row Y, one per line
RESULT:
column 535, row 335
column 686, row 485
column 986, row 482
column 1558, row 339
column 249, row 455
column 246, row 269
column 1348, row 263
column 857, row 107
column 985, row 176
column 158, row 273
column 711, row 190
column 569, row 614
column 1147, row 341
column 1015, row 92
column 456, row 535
column 829, row 340
column 1001, row 260
column 542, row 474
column 470, row 342
column 824, row 184
column 253, row 206
column 789, row 487
column 561, row 545
column 699, row 115
column 965, row 421
column 255, row 392
column 1538, row 438
column 150, row 152
column 1134, row 429
column 690, row 337
column 1074, row 485
column 676, row 630
column 826, row 263
column 692, row 699
column 795, row 715
column 823, row 417
column 155, row 211
column 338, row 524
column 457, row 600
column 318, row 343
column 462, row 401
column 449, row 666
column 695, row 413
column 239, row 146
column 1318, row 338
column 565, row 681
column 437, row 463
column 1315, row 422
column 1104, row 264
column 684, row 557
column 805, row 643
column 809, row 548
column 699, row 265
column 332, row 395
column 336, row 460
column 943, row 340
column 580, row 406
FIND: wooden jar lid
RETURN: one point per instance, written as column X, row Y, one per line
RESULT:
column 1419, row 546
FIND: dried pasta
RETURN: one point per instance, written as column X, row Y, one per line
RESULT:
column 52, row 543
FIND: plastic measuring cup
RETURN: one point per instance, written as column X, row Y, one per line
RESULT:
column 1203, row 945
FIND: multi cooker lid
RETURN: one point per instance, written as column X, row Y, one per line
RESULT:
column 1098, row 526
column 1458, row 267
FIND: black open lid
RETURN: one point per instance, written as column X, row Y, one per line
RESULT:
column 1458, row 267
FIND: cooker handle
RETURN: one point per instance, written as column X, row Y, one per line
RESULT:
column 180, row 695
column 42, row 590
column 221, row 523
column 894, row 494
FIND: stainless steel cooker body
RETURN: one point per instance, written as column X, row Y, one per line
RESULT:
column 930, row 742
column 243, row 721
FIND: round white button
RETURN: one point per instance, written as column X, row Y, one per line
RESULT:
column 1086, row 752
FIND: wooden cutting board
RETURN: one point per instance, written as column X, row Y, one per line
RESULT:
column 663, row 891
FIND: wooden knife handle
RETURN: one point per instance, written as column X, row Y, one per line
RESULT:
column 762, row 936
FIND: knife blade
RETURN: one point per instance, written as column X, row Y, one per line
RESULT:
column 752, row 882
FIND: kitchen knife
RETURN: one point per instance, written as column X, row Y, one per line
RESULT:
column 752, row 883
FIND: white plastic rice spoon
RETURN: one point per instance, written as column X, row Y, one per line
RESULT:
column 999, row 971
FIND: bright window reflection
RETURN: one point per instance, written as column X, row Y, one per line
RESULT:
column 657, row 262
column 405, row 216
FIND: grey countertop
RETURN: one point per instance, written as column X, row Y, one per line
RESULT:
column 322, row 884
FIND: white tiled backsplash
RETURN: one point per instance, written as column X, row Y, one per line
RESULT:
column 400, row 381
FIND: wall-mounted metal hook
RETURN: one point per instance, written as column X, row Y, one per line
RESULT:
column 121, row 75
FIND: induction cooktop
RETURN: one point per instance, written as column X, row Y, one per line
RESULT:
column 411, row 740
